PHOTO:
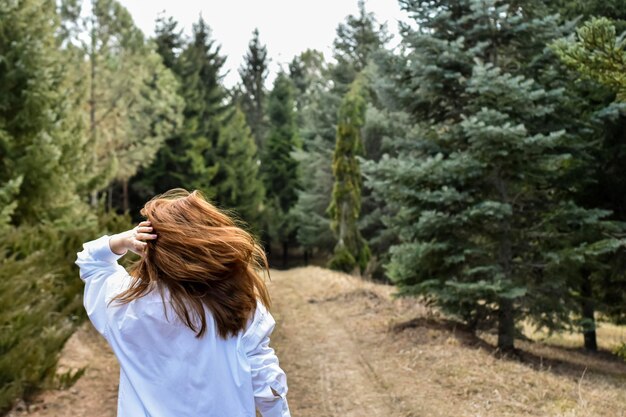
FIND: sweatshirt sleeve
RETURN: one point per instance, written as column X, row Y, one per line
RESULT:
column 97, row 264
column 269, row 381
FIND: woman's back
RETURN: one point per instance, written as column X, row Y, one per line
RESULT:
column 175, row 362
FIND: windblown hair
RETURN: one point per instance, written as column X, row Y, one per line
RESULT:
column 203, row 259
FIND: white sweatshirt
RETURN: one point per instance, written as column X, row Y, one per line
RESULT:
column 165, row 371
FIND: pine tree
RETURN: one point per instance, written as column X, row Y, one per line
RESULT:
column 598, row 53
column 41, row 140
column 599, row 281
column 200, row 74
column 169, row 41
column 253, row 74
column 239, row 186
column 131, row 101
column 317, row 129
column 279, row 169
column 40, row 135
column 481, row 213
column 357, row 39
column 170, row 164
column 345, row 207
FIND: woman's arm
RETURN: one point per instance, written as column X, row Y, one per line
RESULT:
column 98, row 263
column 269, row 381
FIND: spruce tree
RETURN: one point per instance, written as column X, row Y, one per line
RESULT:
column 169, row 41
column 481, row 212
column 279, row 169
column 351, row 250
column 357, row 39
column 239, row 186
column 253, row 74
column 317, row 106
column 200, row 73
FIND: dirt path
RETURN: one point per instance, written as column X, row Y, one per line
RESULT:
column 337, row 339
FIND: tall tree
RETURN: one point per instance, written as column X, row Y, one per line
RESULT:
column 357, row 38
column 131, row 100
column 169, row 41
column 482, row 214
column 40, row 135
column 317, row 106
column 279, row 168
column 240, row 188
column 351, row 250
column 594, row 56
column 253, row 73
column 170, row 165
column 322, row 87
column 205, row 98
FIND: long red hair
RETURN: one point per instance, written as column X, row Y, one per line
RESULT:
column 204, row 259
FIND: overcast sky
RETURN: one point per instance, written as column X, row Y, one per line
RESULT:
column 287, row 27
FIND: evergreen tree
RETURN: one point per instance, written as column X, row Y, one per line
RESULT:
column 131, row 101
column 599, row 284
column 481, row 212
column 253, row 74
column 598, row 54
column 40, row 136
column 170, row 165
column 240, row 187
column 345, row 207
column 316, row 122
column 200, row 73
column 279, row 168
column 322, row 87
column 169, row 41
column 357, row 38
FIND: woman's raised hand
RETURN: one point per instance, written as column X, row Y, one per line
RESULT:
column 133, row 239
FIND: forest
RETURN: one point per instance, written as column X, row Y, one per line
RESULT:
column 479, row 165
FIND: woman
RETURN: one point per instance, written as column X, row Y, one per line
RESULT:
column 190, row 324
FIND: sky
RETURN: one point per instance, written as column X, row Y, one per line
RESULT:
column 286, row 27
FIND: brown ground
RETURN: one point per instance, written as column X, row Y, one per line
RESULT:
column 351, row 350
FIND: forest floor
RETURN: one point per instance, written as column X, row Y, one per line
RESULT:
column 350, row 349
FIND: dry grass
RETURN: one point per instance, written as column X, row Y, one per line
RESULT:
column 610, row 337
column 417, row 364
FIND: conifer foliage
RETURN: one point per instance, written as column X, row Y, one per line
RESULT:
column 278, row 166
column 482, row 212
column 351, row 249
column 253, row 74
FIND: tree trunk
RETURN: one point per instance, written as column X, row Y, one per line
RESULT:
column 92, row 109
column 306, row 257
column 285, row 254
column 506, row 326
column 588, row 310
column 110, row 198
column 125, row 204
